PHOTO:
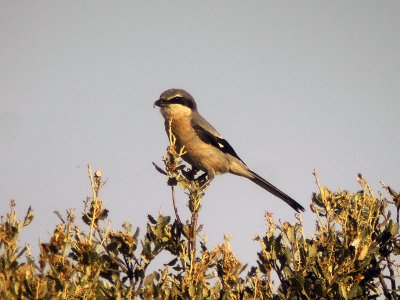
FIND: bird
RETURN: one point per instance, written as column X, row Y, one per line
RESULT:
column 205, row 149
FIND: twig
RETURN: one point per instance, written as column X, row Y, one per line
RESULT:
column 195, row 196
column 159, row 169
column 192, row 238
column 174, row 204
column 110, row 255
column 384, row 287
column 94, row 193
column 396, row 198
column 391, row 272
column 176, row 175
column 317, row 179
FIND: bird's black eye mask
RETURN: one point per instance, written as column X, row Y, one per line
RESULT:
column 177, row 100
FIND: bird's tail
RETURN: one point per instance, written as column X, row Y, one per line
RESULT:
column 275, row 191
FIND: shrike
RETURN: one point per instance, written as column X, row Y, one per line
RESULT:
column 205, row 148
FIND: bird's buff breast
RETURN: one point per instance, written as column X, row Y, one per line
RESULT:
column 198, row 153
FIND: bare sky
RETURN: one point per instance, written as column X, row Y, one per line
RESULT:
column 292, row 85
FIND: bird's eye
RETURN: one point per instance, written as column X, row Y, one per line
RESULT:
column 177, row 99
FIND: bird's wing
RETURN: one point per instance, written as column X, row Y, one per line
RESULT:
column 215, row 140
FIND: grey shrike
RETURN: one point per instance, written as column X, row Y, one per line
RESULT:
column 205, row 149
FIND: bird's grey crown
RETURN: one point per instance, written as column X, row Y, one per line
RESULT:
column 178, row 96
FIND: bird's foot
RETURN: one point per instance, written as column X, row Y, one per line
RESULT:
column 204, row 181
column 189, row 173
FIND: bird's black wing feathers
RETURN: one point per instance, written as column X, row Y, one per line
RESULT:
column 220, row 143
column 257, row 179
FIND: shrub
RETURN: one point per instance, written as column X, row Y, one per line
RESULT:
column 353, row 253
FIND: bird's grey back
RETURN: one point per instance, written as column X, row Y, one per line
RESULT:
column 198, row 120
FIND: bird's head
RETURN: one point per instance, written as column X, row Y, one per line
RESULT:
column 176, row 102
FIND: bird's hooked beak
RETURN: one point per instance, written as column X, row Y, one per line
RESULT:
column 160, row 103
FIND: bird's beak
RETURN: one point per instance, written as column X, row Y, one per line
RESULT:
column 159, row 103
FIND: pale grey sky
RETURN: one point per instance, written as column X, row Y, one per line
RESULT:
column 292, row 85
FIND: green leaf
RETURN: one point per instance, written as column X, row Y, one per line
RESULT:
column 192, row 291
column 290, row 233
column 299, row 281
column 172, row 262
column 103, row 214
column 355, row 291
column 312, row 250
column 136, row 234
column 28, row 217
column 151, row 219
column 112, row 246
column 288, row 272
column 363, row 253
column 397, row 249
column 148, row 281
column 325, row 194
column 127, row 227
column 393, row 228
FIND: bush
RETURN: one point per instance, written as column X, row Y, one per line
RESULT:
column 351, row 255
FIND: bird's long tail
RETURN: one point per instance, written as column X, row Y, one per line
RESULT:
column 275, row 191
